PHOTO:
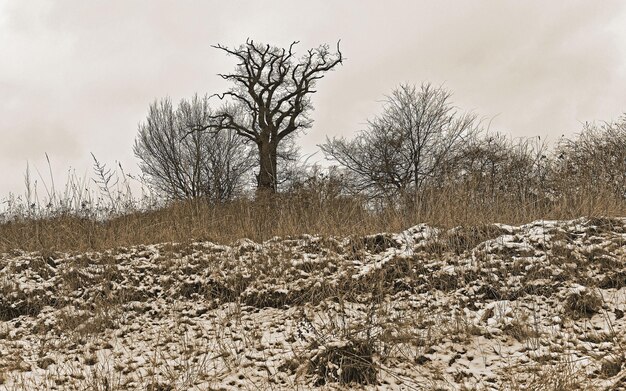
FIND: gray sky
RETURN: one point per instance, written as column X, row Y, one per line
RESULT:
column 77, row 76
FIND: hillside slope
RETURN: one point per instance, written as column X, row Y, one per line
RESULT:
column 538, row 306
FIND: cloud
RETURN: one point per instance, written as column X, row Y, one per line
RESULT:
column 80, row 75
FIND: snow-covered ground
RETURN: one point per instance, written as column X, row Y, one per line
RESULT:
column 539, row 306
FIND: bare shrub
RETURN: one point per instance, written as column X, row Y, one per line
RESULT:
column 495, row 166
column 583, row 302
column 350, row 362
column 595, row 159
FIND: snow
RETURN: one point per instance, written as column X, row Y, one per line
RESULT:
column 276, row 315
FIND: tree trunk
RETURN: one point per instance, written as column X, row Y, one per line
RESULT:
column 267, row 166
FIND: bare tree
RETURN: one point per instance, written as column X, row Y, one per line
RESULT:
column 181, row 162
column 414, row 140
column 273, row 89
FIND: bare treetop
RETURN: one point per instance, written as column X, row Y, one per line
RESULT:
column 273, row 87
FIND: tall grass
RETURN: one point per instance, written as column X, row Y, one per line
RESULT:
column 77, row 223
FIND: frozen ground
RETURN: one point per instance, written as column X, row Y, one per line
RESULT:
column 539, row 306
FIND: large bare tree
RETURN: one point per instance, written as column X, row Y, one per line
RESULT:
column 273, row 88
column 415, row 138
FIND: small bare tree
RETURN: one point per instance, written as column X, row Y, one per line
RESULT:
column 181, row 162
column 413, row 141
column 272, row 88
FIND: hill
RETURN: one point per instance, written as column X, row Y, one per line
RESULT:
column 538, row 306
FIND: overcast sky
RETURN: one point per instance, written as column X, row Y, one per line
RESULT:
column 77, row 76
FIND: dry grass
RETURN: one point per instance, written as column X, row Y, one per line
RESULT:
column 290, row 215
column 355, row 328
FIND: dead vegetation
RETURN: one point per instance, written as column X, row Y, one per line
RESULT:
column 465, row 308
column 90, row 300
